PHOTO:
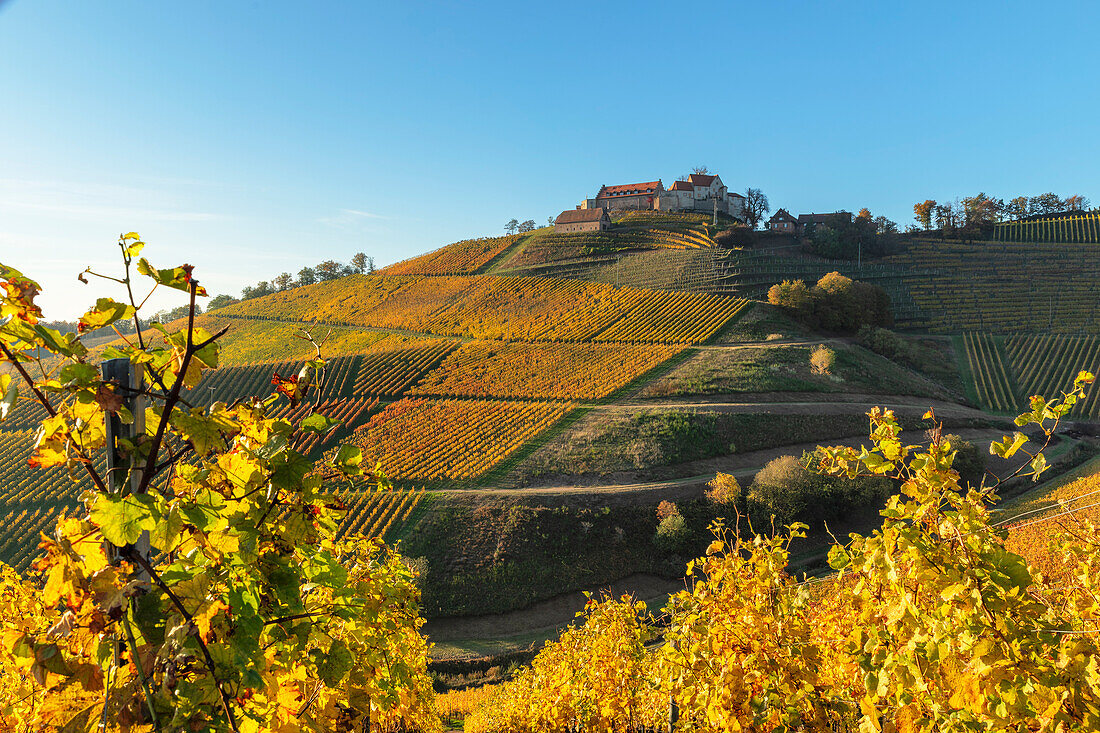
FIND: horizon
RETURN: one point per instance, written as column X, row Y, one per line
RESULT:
column 251, row 141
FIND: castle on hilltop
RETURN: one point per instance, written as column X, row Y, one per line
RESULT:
column 698, row 192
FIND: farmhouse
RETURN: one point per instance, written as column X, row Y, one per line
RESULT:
column 805, row 220
column 698, row 192
column 582, row 220
column 782, row 221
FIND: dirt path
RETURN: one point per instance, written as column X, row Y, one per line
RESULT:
column 547, row 615
column 742, row 465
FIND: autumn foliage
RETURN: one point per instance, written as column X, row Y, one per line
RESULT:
column 933, row 622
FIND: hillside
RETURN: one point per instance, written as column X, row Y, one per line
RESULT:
column 518, row 389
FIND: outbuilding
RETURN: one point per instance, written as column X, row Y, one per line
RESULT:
column 582, row 220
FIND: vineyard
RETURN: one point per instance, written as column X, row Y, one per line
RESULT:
column 450, row 440
column 1083, row 227
column 508, row 308
column 461, row 258
column 541, row 371
column 1045, row 364
column 373, row 512
column 994, row 386
column 30, row 499
column 1036, row 522
column 1002, row 287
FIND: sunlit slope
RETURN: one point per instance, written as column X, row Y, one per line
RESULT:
column 506, row 308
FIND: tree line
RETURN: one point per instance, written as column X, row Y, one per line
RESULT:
column 321, row 272
column 973, row 213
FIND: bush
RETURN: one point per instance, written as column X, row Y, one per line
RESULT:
column 791, row 490
column 724, row 491
column 671, row 533
column 792, row 295
column 881, row 341
column 822, row 359
column 667, row 509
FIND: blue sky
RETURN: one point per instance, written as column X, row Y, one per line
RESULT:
column 249, row 138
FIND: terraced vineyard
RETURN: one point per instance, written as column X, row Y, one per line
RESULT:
column 1002, row 287
column 541, row 371
column 461, row 258
column 449, row 440
column 1046, row 364
column 993, row 382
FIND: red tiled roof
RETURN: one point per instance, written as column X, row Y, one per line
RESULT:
column 782, row 215
column 682, row 186
column 573, row 216
column 701, row 180
column 629, row 188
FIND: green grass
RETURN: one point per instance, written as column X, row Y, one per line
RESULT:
column 787, row 369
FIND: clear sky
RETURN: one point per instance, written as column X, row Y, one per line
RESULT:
column 249, row 138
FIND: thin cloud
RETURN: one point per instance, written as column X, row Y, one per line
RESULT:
column 350, row 219
column 94, row 201
column 365, row 214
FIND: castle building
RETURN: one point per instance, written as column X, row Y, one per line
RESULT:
column 699, row 192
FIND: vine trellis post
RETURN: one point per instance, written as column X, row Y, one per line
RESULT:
column 124, row 467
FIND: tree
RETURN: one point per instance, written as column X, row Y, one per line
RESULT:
column 549, row 221
column 307, row 276
column 1076, row 202
column 1046, row 203
column 756, row 205
column 220, row 301
column 283, row 281
column 793, row 295
column 328, row 270
column 527, row 226
column 370, row 265
column 1017, row 208
column 981, row 210
column 701, row 170
column 359, row 262
column 885, row 226
column 511, row 226
column 947, row 216
column 922, row 212
column 205, row 573
column 864, row 214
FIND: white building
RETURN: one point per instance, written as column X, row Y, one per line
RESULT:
column 700, row 192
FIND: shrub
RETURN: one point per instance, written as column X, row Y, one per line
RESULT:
column 881, row 341
column 822, row 359
column 724, row 490
column 671, row 533
column 791, row 489
column 667, row 509
column 793, row 295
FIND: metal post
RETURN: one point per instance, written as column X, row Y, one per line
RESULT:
column 124, row 472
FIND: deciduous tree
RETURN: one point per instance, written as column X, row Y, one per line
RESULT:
column 922, row 212
column 511, row 226
column 756, row 206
